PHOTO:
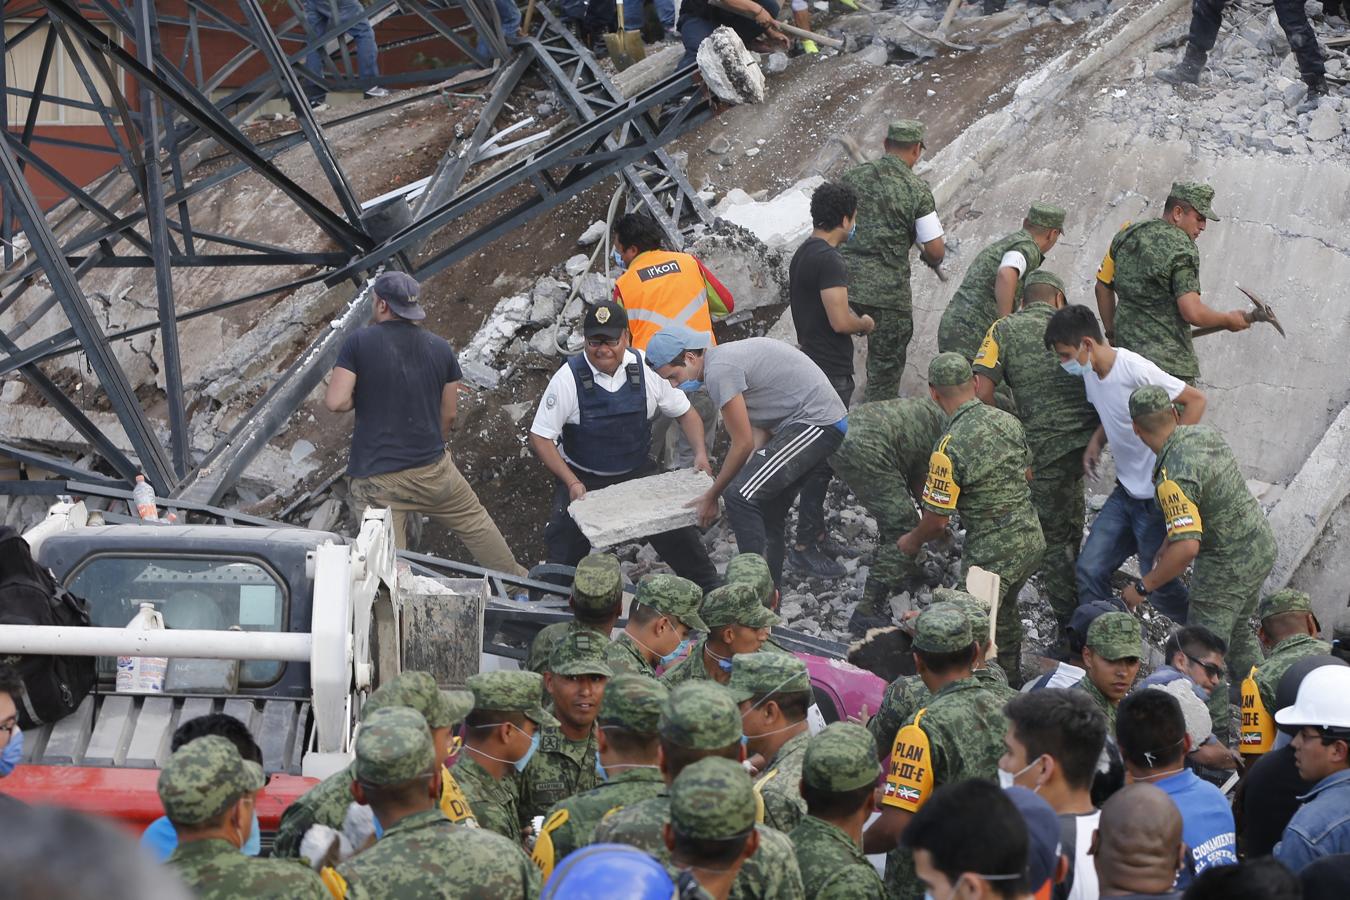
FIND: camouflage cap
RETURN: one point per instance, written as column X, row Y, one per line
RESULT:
column 752, row 569
column 1041, row 276
column 1148, row 399
column 418, row 690
column 1197, row 195
column 1283, row 601
column 634, row 702
column 672, row 595
column 203, row 778
column 511, row 692
column 736, row 604
column 712, row 800
column 580, row 652
column 948, row 369
column 597, row 586
column 1115, row 635
column 905, row 131
column 700, row 715
column 976, row 610
column 766, row 673
column 394, row 746
column 1045, row 215
column 942, row 628
column 843, row 757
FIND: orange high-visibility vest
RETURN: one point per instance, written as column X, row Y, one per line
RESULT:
column 662, row 288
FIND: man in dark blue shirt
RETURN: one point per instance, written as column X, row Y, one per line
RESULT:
column 403, row 382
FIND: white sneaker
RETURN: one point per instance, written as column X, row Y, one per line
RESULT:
column 376, row 91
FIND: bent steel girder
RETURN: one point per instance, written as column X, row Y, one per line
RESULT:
column 174, row 113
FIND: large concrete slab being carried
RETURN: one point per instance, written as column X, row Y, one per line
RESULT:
column 639, row 508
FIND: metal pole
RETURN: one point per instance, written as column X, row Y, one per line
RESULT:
column 56, row 640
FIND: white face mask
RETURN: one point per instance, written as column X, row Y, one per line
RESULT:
column 1009, row 779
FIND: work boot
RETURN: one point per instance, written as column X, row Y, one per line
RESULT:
column 1187, row 71
column 1317, row 89
column 811, row 561
column 835, row 550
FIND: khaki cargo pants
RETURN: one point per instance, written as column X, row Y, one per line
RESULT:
column 439, row 491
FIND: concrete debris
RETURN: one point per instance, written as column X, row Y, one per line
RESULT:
column 545, row 340
column 636, row 509
column 480, row 374
column 301, row 449
column 1199, row 725
column 577, row 264
column 756, row 275
column 729, row 70
column 776, row 62
column 719, row 145
column 501, row 326
column 547, row 300
column 517, row 411
column 873, row 55
column 1324, row 123
column 327, row 516
column 753, row 151
column 594, row 288
column 591, row 236
column 782, row 222
column 11, row 392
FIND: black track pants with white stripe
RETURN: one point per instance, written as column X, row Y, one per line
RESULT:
column 760, row 496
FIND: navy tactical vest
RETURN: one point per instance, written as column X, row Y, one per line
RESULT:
column 613, row 434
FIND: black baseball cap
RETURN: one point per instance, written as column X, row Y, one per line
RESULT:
column 399, row 291
column 605, row 319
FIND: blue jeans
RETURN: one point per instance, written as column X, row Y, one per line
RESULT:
column 694, row 30
column 509, row 13
column 1124, row 527
column 632, row 14
column 319, row 15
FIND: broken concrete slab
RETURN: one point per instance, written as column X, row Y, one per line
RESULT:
column 730, row 71
column 782, row 222
column 639, row 508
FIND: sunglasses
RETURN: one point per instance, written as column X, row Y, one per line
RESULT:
column 595, row 343
column 1211, row 670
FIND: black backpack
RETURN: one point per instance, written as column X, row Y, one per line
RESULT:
column 54, row 686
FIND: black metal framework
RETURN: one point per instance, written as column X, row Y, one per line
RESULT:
column 167, row 113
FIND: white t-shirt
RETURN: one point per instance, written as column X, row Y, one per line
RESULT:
column 560, row 406
column 1084, row 872
column 1111, row 397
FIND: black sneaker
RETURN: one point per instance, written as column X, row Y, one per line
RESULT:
column 834, row 550
column 811, row 561
column 862, row 622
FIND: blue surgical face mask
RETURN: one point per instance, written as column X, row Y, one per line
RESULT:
column 676, row 653
column 379, row 829
column 618, row 258
column 524, row 761
column 690, row 386
column 12, row 753
column 600, row 769
column 852, row 231
column 1075, row 368
column 253, row 846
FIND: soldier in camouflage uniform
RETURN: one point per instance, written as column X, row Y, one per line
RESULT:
column 883, row 460
column 1213, row 521
column 699, row 720
column 839, row 779
column 711, row 804
column 993, row 282
column 737, row 623
column 596, row 601
column 564, row 766
column 500, row 737
column 663, row 613
column 1111, row 658
column 957, row 736
column 422, row 853
column 627, row 742
column 1148, row 285
column 895, row 211
column 774, row 692
column 209, row 791
column 1058, row 420
column 979, row 469
column 1288, row 633
column 326, row 803
column 753, row 569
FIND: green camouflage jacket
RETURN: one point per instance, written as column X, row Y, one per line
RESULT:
column 1282, row 656
column 215, row 870
column 1150, row 265
column 779, row 786
column 559, row 769
column 973, row 309
column 833, row 867
column 495, row 803
column 625, row 656
column 569, row 825
column 891, row 198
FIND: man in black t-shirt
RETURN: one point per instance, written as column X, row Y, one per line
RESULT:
column 818, row 290
column 403, row 383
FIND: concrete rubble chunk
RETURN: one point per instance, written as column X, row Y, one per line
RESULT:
column 775, row 63
column 591, row 236
column 639, row 508
column 480, row 374
column 594, row 288
column 577, row 264
column 873, row 55
column 545, row 340
column 781, row 222
column 729, row 70
column 501, row 326
column 1324, row 124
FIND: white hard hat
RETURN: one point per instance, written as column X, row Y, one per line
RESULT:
column 1323, row 700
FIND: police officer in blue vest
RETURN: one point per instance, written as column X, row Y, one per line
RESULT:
column 593, row 429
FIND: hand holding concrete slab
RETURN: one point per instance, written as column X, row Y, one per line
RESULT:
column 639, row 508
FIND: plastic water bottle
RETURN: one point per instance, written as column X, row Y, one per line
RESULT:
column 143, row 495
column 143, row 674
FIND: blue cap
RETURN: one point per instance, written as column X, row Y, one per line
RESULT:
column 1043, row 845
column 608, row 870
column 671, row 341
column 1084, row 616
column 399, row 291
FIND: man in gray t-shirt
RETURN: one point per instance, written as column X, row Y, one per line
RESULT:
column 761, row 386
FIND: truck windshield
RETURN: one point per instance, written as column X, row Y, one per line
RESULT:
column 213, row 594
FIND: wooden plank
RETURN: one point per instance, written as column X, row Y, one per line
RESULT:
column 442, row 628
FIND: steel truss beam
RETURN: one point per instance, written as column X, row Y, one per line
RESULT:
column 141, row 217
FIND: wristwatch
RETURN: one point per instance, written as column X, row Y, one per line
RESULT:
column 1139, row 587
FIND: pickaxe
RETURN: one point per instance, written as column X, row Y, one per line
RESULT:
column 1262, row 313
